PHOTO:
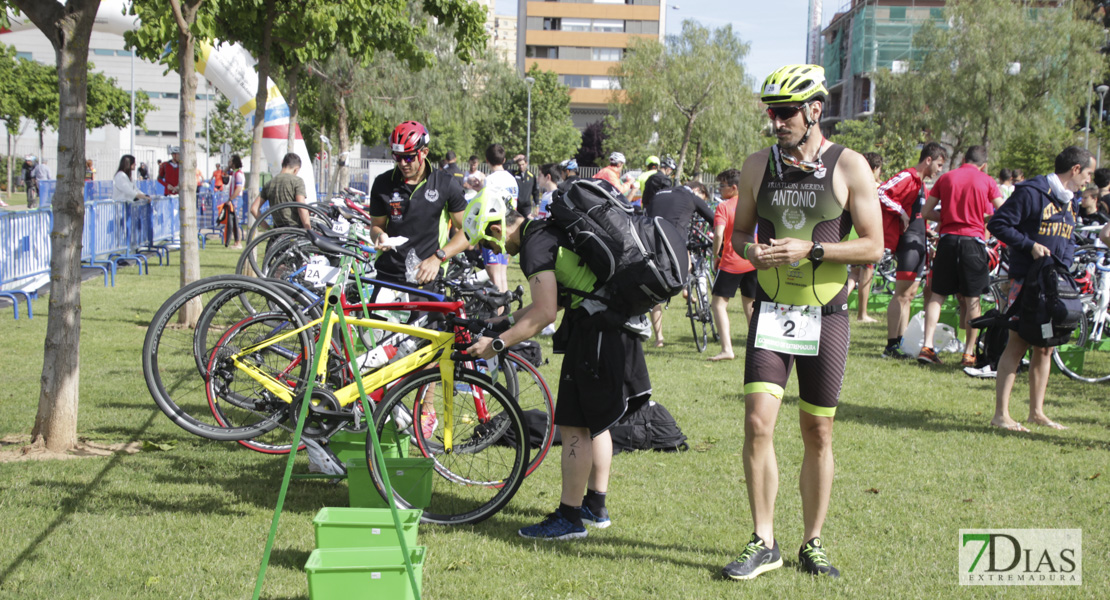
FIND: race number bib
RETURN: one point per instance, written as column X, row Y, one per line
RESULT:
column 319, row 272
column 789, row 329
column 341, row 226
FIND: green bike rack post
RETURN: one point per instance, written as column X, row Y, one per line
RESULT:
column 333, row 308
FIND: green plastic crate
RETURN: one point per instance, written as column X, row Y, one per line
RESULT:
column 411, row 477
column 1072, row 357
column 363, row 573
column 347, row 445
column 363, row 527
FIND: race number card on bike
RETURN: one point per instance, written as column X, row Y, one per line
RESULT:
column 789, row 329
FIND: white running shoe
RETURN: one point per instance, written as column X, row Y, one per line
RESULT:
column 985, row 372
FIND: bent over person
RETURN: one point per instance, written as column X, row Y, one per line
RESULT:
column 805, row 193
column 603, row 364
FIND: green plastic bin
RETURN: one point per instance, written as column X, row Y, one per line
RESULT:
column 363, row 573
column 1072, row 357
column 347, row 445
column 363, row 527
column 411, row 477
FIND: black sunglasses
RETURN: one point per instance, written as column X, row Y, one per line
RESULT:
column 405, row 158
column 784, row 113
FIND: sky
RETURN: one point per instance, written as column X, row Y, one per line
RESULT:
column 776, row 32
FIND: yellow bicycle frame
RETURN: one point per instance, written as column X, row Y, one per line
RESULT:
column 439, row 350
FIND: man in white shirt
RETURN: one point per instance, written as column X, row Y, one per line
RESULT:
column 497, row 265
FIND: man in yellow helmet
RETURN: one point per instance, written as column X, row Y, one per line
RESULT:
column 805, row 193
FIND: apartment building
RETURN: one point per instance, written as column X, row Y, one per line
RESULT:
column 502, row 32
column 582, row 40
column 863, row 37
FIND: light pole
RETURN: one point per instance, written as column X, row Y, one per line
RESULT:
column 528, row 146
column 132, row 102
column 1102, row 89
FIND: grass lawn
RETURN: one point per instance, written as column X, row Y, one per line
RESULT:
column 16, row 201
column 916, row 462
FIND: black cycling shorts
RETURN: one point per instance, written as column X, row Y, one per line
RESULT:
column 727, row 283
column 819, row 377
column 961, row 266
column 910, row 254
column 603, row 369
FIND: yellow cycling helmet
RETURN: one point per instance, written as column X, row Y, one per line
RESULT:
column 652, row 160
column 489, row 206
column 794, row 83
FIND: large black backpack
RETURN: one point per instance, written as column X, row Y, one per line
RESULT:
column 647, row 426
column 1050, row 307
column 993, row 337
column 639, row 261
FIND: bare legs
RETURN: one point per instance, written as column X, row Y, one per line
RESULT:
column 657, row 324
column 898, row 312
column 719, row 305
column 1039, row 368
column 584, row 462
column 761, row 467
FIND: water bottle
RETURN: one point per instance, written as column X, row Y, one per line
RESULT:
column 407, row 347
column 376, row 357
column 412, row 265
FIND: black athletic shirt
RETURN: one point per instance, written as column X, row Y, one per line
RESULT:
column 529, row 195
column 420, row 212
column 544, row 246
column 655, row 183
column 678, row 205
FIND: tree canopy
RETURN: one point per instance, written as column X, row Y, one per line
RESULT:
column 682, row 93
column 993, row 74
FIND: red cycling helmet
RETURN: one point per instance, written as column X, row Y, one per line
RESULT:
column 1085, row 282
column 408, row 137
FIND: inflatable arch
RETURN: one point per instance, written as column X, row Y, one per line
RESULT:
column 231, row 69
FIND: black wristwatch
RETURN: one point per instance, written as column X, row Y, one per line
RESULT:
column 817, row 254
column 441, row 255
column 498, row 345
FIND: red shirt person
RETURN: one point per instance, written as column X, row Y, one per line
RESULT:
column 169, row 172
column 901, row 198
column 966, row 196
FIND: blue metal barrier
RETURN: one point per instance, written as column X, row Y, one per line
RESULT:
column 46, row 192
column 96, row 191
column 24, row 253
column 113, row 231
column 208, row 214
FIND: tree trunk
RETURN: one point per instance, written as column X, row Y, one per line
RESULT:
column 292, row 76
column 697, row 160
column 260, row 98
column 685, row 143
column 69, row 30
column 187, row 182
column 11, row 163
column 339, row 180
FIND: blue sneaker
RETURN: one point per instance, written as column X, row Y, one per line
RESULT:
column 554, row 527
column 600, row 520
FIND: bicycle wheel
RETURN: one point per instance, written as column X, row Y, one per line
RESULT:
column 489, row 456
column 1086, row 356
column 208, row 394
column 693, row 311
column 530, row 392
column 708, row 325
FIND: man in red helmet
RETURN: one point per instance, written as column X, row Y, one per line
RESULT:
column 417, row 202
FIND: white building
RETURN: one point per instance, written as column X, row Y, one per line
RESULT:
column 106, row 144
